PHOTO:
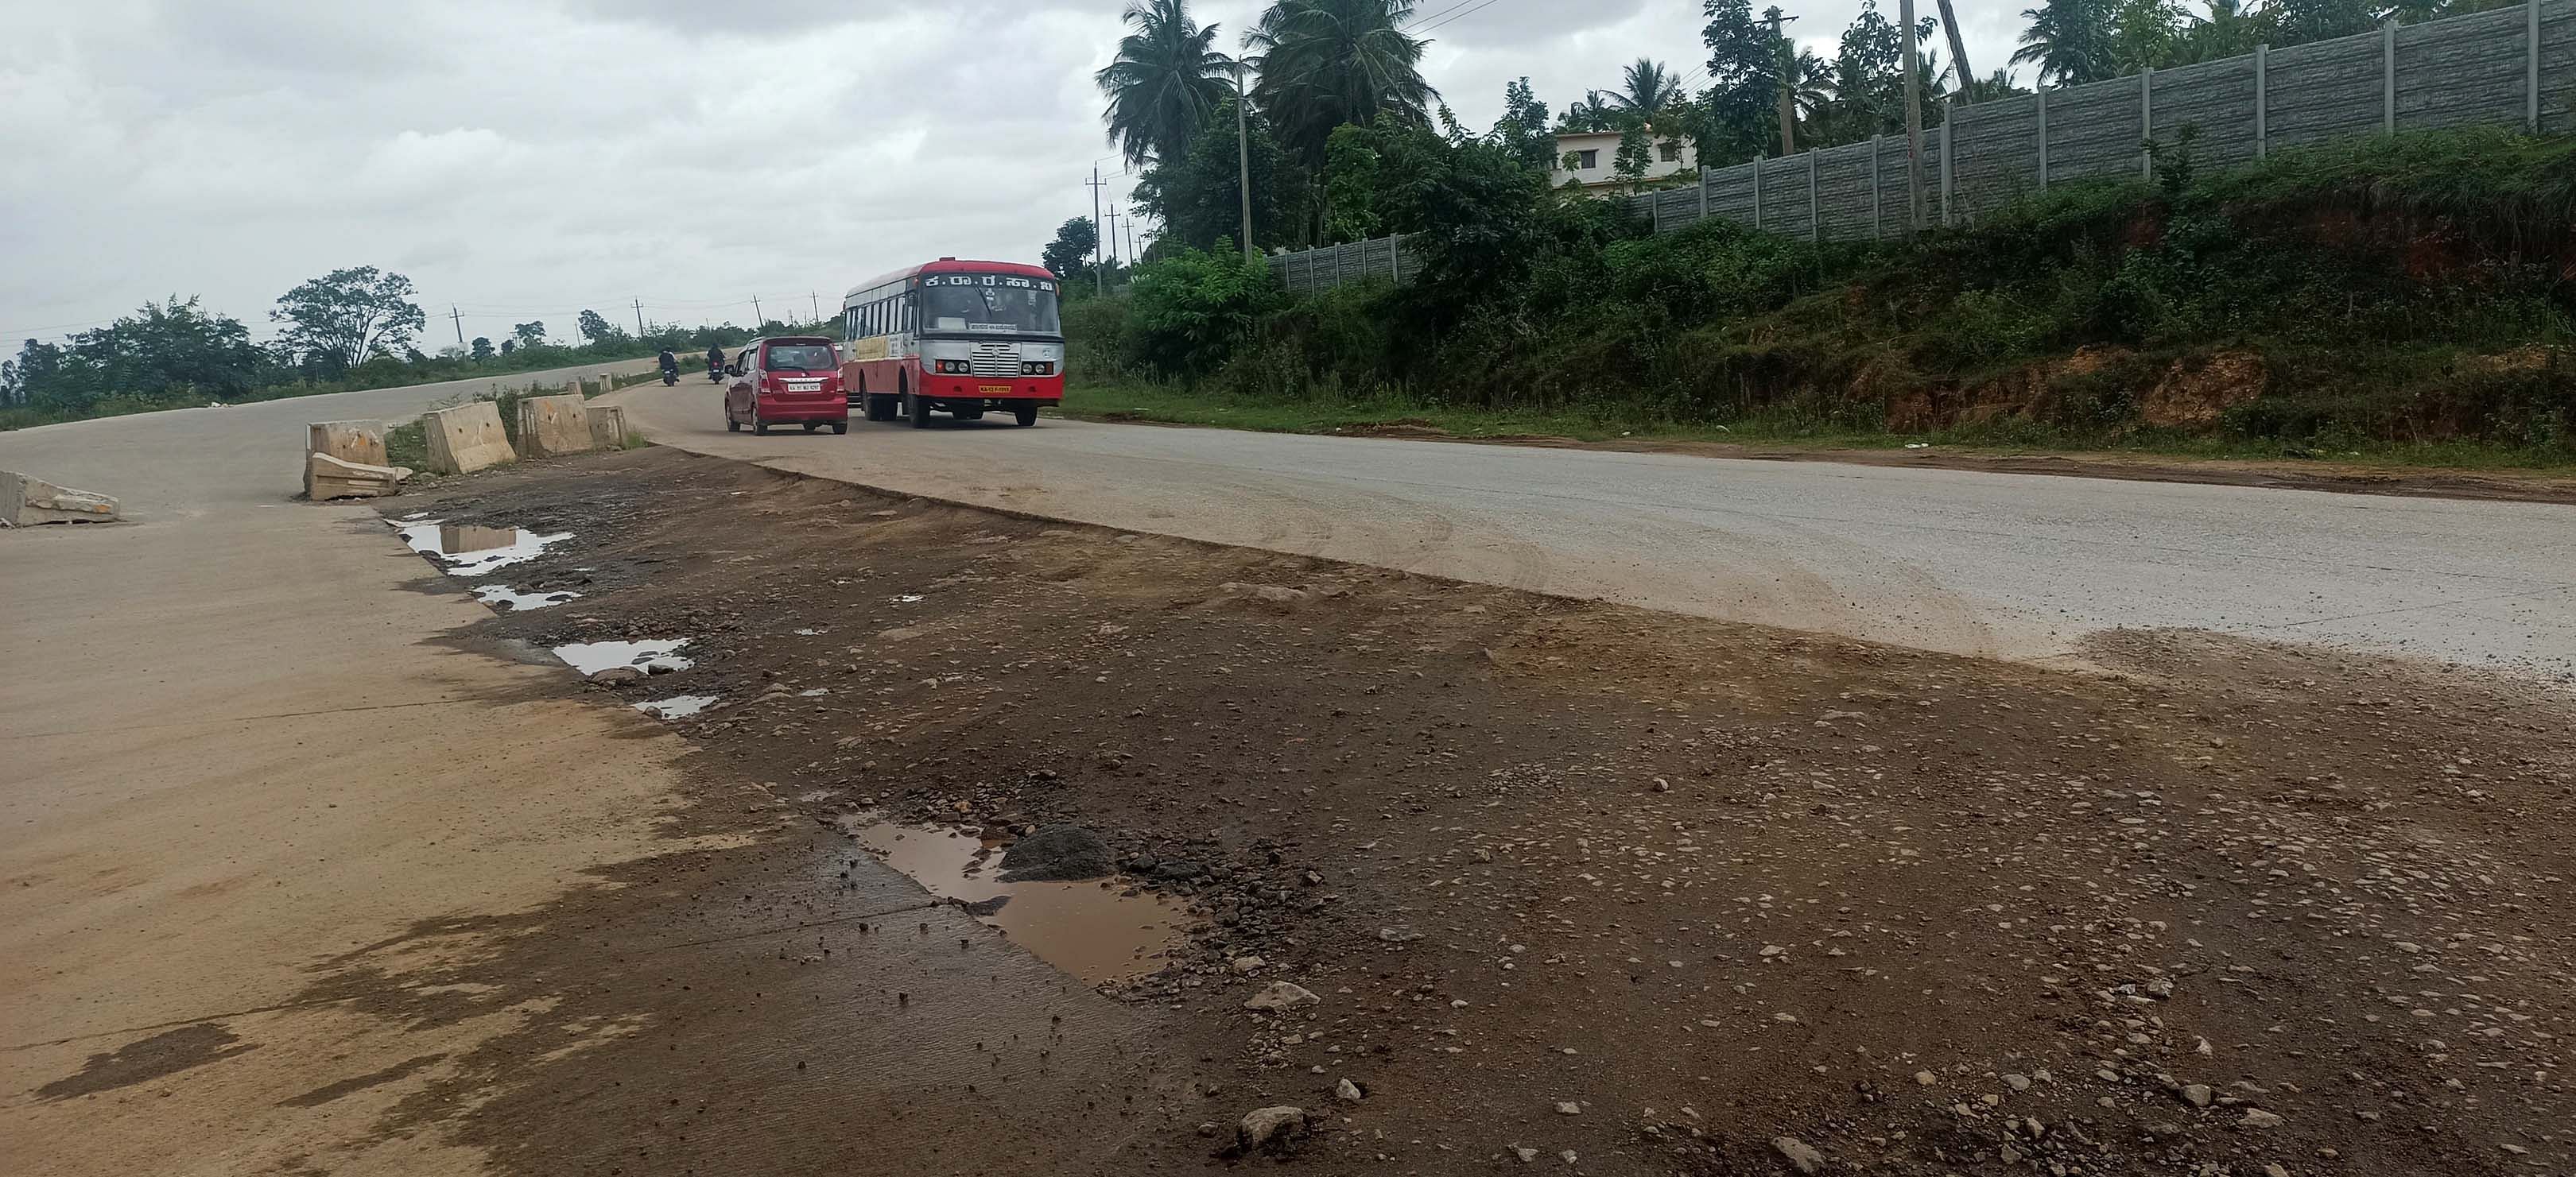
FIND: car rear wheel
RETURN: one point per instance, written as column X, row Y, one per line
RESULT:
column 840, row 427
column 811, row 426
column 1026, row 415
column 758, row 427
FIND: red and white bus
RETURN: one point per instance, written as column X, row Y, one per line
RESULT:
column 955, row 336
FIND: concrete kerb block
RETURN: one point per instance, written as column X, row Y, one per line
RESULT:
column 607, row 426
column 466, row 438
column 552, row 425
column 26, row 501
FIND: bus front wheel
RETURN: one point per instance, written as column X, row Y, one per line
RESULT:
column 1026, row 415
column 917, row 409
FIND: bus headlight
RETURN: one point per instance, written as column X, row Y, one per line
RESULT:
column 1037, row 368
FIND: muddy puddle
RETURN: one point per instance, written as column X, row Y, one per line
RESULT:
column 466, row 550
column 660, row 655
column 1090, row 930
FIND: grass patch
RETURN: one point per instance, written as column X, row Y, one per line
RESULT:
column 1780, row 427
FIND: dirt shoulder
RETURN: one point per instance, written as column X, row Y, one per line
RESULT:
column 2338, row 477
column 1561, row 877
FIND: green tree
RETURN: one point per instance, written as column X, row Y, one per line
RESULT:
column 597, row 329
column 2232, row 29
column 1194, row 197
column 1523, row 128
column 346, row 317
column 166, row 351
column 529, row 334
column 2298, row 22
column 1635, row 155
column 482, row 348
column 2069, row 40
column 1350, row 185
column 1191, row 309
column 1593, row 112
column 1324, row 63
column 1739, row 118
column 2144, row 34
column 1165, row 83
column 1069, row 255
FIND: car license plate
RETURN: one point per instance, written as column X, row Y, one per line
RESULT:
column 997, row 390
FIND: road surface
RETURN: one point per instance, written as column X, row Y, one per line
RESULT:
column 2012, row 566
column 257, row 809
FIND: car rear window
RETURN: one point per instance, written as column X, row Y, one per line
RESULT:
column 806, row 357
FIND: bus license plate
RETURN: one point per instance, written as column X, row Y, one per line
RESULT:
column 997, row 390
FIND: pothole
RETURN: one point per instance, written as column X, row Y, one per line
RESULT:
column 1093, row 930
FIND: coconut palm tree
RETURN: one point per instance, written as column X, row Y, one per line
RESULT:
column 1165, row 81
column 1324, row 63
column 1647, row 89
column 2069, row 40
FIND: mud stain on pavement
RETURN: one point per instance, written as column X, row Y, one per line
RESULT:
column 350, row 1086
column 143, row 1060
column 1098, row 931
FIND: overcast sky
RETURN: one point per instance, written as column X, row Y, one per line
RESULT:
column 526, row 159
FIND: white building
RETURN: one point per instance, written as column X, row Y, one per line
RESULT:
column 1595, row 156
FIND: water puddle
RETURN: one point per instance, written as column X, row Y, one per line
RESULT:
column 502, row 596
column 466, row 550
column 648, row 656
column 677, row 706
column 1086, row 929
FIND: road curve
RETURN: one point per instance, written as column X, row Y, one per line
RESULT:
column 1999, row 565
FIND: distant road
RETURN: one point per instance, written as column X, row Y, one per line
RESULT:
column 2015, row 566
column 200, row 457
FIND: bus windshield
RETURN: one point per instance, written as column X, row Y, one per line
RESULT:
column 989, row 303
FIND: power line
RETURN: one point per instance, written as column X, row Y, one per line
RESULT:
column 1461, row 16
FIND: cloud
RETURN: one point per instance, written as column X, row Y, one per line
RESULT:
column 533, row 158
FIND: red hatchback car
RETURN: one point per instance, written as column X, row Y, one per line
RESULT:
column 790, row 380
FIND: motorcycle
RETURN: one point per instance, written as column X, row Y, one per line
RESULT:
column 670, row 375
column 715, row 372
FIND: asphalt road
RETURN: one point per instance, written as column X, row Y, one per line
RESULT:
column 2013, row 566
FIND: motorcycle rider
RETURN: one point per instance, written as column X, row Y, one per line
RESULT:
column 715, row 359
column 670, row 366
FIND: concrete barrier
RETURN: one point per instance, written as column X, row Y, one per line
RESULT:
column 607, row 426
column 466, row 438
column 327, row 477
column 552, row 425
column 362, row 442
column 26, row 501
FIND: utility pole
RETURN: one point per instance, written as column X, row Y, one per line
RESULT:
column 1113, row 237
column 639, row 319
column 756, row 317
column 459, row 320
column 1098, row 285
column 1788, row 82
column 1243, row 160
column 1913, row 120
column 814, row 303
column 1131, row 239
